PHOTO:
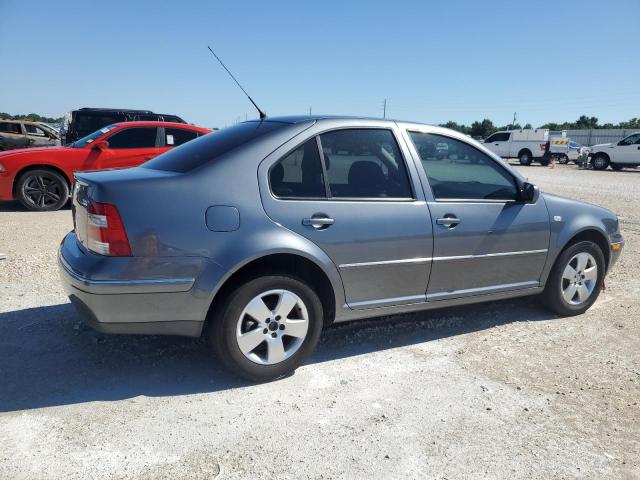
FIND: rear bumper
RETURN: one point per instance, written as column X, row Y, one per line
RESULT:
column 130, row 295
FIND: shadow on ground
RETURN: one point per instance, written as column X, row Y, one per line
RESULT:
column 48, row 357
column 17, row 207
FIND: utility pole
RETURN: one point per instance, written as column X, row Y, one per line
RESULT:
column 514, row 120
column 384, row 108
column 310, row 110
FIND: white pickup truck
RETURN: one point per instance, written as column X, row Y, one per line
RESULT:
column 625, row 153
column 526, row 145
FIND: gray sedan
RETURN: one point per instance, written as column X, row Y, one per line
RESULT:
column 259, row 235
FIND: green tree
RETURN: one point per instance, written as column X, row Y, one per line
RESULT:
column 482, row 129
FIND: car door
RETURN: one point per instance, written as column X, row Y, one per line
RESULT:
column 485, row 240
column 628, row 150
column 12, row 136
column 349, row 191
column 130, row 147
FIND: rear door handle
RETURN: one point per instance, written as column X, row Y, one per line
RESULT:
column 448, row 221
column 318, row 222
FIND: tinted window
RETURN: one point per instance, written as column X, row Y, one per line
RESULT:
column 463, row 172
column 206, row 148
column 89, row 122
column 364, row 163
column 177, row 136
column 299, row 174
column 35, row 131
column 9, row 127
column 630, row 140
column 498, row 137
column 139, row 137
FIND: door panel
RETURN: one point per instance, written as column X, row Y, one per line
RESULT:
column 496, row 246
column 382, row 241
column 382, row 249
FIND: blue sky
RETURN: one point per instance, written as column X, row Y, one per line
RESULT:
column 433, row 61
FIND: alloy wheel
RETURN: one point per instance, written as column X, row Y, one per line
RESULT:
column 272, row 327
column 42, row 190
column 579, row 278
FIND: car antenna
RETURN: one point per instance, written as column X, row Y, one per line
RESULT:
column 262, row 114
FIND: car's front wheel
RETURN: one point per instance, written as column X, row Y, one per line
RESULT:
column 267, row 327
column 525, row 157
column 42, row 190
column 600, row 162
column 575, row 280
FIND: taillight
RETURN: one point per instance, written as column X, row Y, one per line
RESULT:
column 105, row 232
column 544, row 147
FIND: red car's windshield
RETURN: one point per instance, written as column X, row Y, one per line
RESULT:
column 83, row 142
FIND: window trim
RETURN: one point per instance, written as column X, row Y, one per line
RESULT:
column 328, row 195
column 516, row 183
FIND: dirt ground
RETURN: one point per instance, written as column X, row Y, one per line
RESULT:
column 498, row 390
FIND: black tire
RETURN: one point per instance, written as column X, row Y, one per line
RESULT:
column 42, row 190
column 553, row 298
column 226, row 317
column 600, row 162
column 616, row 167
column 545, row 162
column 563, row 160
column 525, row 158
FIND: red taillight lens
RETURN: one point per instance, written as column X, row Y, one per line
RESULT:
column 544, row 146
column 105, row 232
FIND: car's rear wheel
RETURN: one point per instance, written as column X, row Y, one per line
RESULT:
column 525, row 157
column 267, row 327
column 42, row 190
column 616, row 167
column 563, row 159
column 545, row 161
column 575, row 280
column 600, row 162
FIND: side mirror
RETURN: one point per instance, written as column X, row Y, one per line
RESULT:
column 529, row 193
column 101, row 145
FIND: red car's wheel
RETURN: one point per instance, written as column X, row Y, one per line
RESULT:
column 42, row 190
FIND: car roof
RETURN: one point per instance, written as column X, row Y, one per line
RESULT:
column 154, row 123
column 317, row 118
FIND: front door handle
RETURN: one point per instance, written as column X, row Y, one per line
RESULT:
column 318, row 221
column 448, row 221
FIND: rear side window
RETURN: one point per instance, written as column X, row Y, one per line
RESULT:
column 460, row 171
column 299, row 174
column 206, row 148
column 364, row 163
column 35, row 131
column 138, row 137
column 9, row 127
column 177, row 136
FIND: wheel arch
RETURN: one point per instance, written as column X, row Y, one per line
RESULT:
column 522, row 150
column 284, row 262
column 589, row 234
column 38, row 166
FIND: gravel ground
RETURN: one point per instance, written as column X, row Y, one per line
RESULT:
column 499, row 390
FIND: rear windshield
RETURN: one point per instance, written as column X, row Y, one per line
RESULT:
column 201, row 150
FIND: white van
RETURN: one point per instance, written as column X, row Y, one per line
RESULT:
column 526, row 144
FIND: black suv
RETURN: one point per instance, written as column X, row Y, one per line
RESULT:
column 87, row 120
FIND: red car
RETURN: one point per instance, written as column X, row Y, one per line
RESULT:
column 40, row 178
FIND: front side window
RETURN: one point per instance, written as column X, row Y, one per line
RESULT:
column 177, row 136
column 631, row 140
column 364, row 163
column 137, row 137
column 299, row 174
column 83, row 142
column 498, row 137
column 34, row 131
column 464, row 173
